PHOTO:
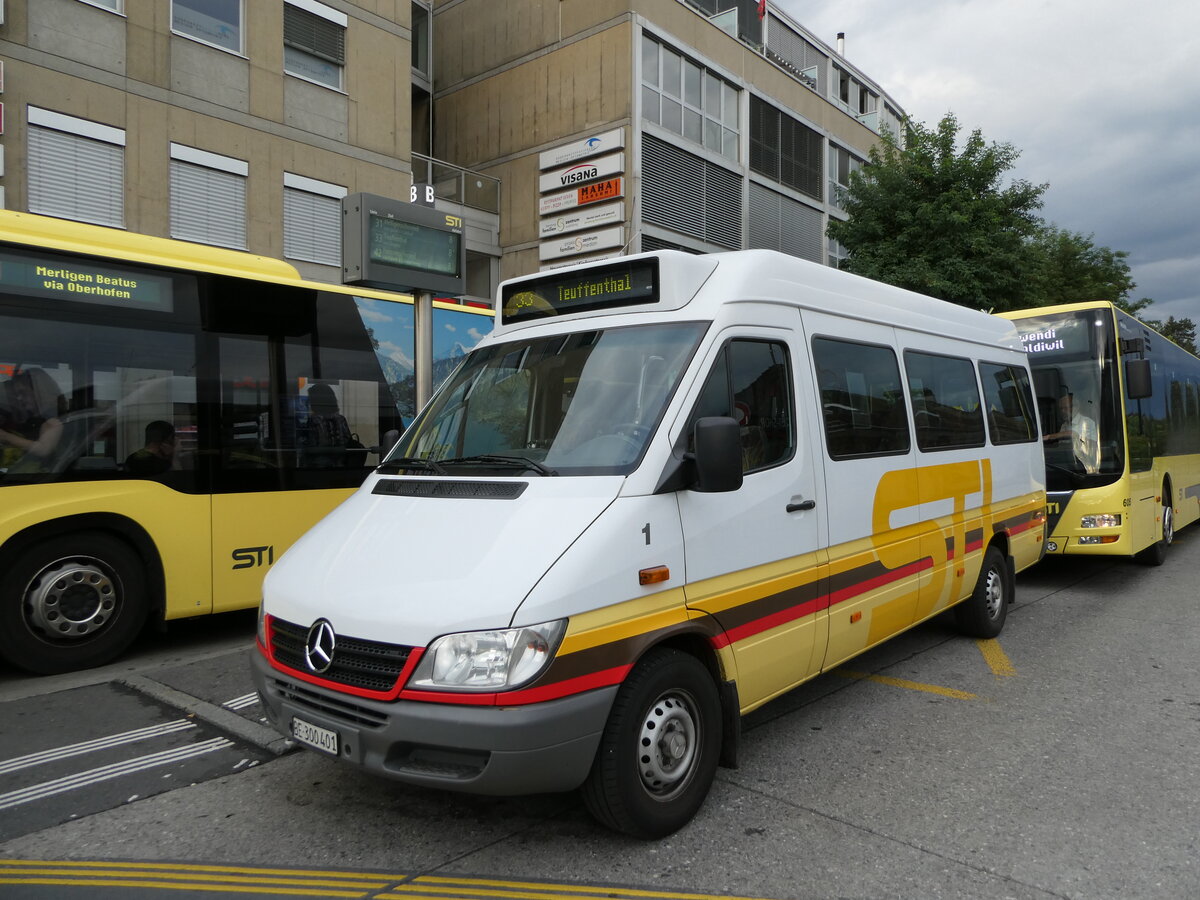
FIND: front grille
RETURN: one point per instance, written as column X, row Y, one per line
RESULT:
column 369, row 665
column 335, row 708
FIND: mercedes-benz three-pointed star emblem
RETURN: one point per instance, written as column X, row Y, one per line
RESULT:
column 319, row 646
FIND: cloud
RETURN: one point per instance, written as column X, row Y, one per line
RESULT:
column 1099, row 97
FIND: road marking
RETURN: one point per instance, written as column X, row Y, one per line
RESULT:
column 242, row 702
column 102, row 743
column 995, row 657
column 310, row 883
column 907, row 685
column 105, row 773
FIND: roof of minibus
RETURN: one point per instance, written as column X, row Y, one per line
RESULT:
column 1058, row 308
column 770, row 276
column 114, row 244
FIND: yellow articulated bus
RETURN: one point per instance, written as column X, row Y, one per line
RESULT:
column 698, row 482
column 172, row 418
column 1120, row 412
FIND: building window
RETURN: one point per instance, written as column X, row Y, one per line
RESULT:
column 841, row 164
column 76, row 168
column 688, row 99
column 208, row 197
column 314, row 42
column 215, row 22
column 117, row 6
column 838, row 253
column 420, row 40
column 312, row 220
column 784, row 149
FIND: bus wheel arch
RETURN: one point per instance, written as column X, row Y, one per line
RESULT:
column 1156, row 553
column 661, row 746
column 75, row 592
column 982, row 615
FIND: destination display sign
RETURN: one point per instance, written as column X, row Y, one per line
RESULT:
column 618, row 284
column 414, row 246
column 596, row 192
column 62, row 278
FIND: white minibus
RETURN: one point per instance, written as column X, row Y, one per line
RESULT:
column 663, row 491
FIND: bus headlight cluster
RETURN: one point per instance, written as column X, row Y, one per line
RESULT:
column 1102, row 520
column 488, row 660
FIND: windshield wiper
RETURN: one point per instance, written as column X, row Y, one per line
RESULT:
column 496, row 459
column 412, row 462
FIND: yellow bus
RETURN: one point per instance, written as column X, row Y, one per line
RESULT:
column 1120, row 411
column 172, row 417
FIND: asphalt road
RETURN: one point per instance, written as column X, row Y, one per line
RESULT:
column 1058, row 761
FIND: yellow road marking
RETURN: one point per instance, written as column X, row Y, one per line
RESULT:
column 95, row 882
column 310, row 883
column 995, row 657
column 907, row 685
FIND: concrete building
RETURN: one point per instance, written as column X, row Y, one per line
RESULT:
column 237, row 123
column 635, row 125
column 559, row 130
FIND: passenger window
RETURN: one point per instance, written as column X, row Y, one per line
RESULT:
column 945, row 401
column 862, row 399
column 1009, row 400
column 750, row 382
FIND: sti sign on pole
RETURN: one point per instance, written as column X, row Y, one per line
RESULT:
column 402, row 246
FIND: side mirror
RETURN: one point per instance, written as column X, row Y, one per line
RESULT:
column 1137, row 379
column 718, row 456
column 389, row 441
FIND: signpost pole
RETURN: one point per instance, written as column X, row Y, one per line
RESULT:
column 423, row 315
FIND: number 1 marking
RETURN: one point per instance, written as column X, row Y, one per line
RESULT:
column 646, row 532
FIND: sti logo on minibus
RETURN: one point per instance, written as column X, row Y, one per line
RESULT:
column 252, row 557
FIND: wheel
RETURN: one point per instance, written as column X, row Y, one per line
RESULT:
column 982, row 614
column 71, row 602
column 1156, row 553
column 660, row 747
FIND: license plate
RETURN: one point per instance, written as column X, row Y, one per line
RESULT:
column 323, row 739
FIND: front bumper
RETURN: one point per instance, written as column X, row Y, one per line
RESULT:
column 531, row 749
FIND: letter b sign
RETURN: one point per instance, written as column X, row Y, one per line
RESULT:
column 421, row 193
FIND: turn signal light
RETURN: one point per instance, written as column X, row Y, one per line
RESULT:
column 654, row 575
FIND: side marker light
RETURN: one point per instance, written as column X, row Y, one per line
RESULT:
column 654, row 575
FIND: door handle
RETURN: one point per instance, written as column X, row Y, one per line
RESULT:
column 801, row 506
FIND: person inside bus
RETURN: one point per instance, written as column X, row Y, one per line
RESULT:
column 328, row 434
column 158, row 454
column 1080, row 429
column 30, row 428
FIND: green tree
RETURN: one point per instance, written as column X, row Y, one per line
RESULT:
column 1068, row 267
column 934, row 218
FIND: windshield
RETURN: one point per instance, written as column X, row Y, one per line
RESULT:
column 583, row 403
column 1073, row 359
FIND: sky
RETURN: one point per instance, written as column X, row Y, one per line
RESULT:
column 1101, row 98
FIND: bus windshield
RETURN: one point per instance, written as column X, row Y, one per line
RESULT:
column 1073, row 357
column 583, row 403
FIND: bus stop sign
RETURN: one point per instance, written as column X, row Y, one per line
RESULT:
column 393, row 245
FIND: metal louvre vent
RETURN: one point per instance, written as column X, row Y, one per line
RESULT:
column 370, row 665
column 780, row 223
column 785, row 150
column 794, row 51
column 75, row 177
column 690, row 195
column 468, row 490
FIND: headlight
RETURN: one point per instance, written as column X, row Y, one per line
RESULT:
column 488, row 660
column 262, row 626
column 1104, row 520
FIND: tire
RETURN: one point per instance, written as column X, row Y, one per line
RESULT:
column 982, row 614
column 659, row 751
column 1156, row 553
column 71, row 602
